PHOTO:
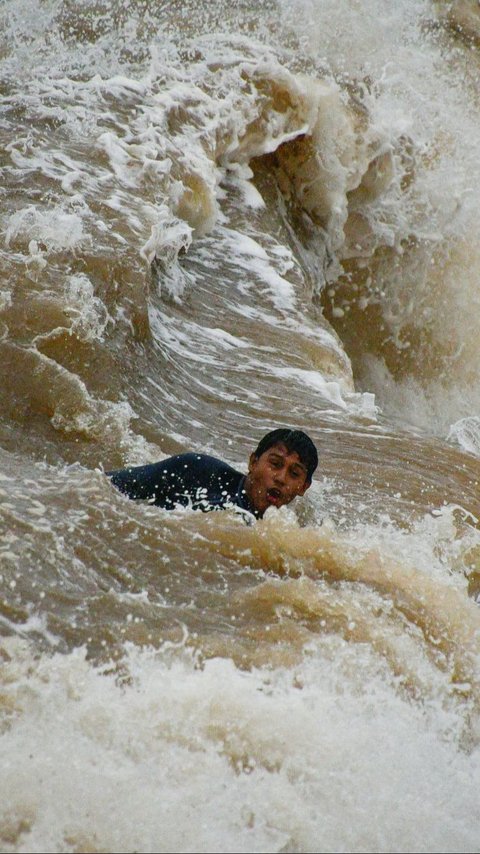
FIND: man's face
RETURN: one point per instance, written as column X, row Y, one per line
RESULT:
column 275, row 478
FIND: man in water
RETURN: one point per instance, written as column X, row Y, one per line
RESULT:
column 278, row 470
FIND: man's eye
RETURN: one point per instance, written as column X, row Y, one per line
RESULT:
column 297, row 473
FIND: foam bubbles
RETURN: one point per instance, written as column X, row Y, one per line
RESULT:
column 88, row 313
column 56, row 228
column 179, row 757
column 466, row 432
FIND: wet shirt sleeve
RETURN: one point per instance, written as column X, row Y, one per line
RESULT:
column 195, row 480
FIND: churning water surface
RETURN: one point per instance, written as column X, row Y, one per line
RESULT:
column 217, row 219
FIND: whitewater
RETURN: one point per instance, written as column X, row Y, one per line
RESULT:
column 217, row 219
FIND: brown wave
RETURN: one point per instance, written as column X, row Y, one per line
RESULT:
column 463, row 16
column 443, row 624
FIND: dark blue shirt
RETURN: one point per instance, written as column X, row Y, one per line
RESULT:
column 189, row 480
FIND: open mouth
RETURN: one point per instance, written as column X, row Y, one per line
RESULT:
column 274, row 496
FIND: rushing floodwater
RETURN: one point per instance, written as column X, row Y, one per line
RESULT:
column 217, row 219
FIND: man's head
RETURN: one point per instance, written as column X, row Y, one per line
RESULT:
column 280, row 468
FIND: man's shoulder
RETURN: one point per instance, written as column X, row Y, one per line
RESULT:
column 209, row 482
column 199, row 462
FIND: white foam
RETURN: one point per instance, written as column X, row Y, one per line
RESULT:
column 428, row 404
column 256, row 263
column 89, row 316
column 226, row 339
column 239, row 177
column 332, row 391
column 56, row 228
column 466, row 432
column 328, row 755
column 212, row 758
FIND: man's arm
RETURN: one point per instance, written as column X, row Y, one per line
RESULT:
column 161, row 483
column 195, row 479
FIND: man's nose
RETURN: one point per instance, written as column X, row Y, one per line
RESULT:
column 280, row 475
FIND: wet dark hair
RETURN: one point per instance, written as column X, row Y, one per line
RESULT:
column 294, row 440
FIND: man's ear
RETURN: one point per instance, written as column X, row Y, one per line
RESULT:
column 251, row 461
